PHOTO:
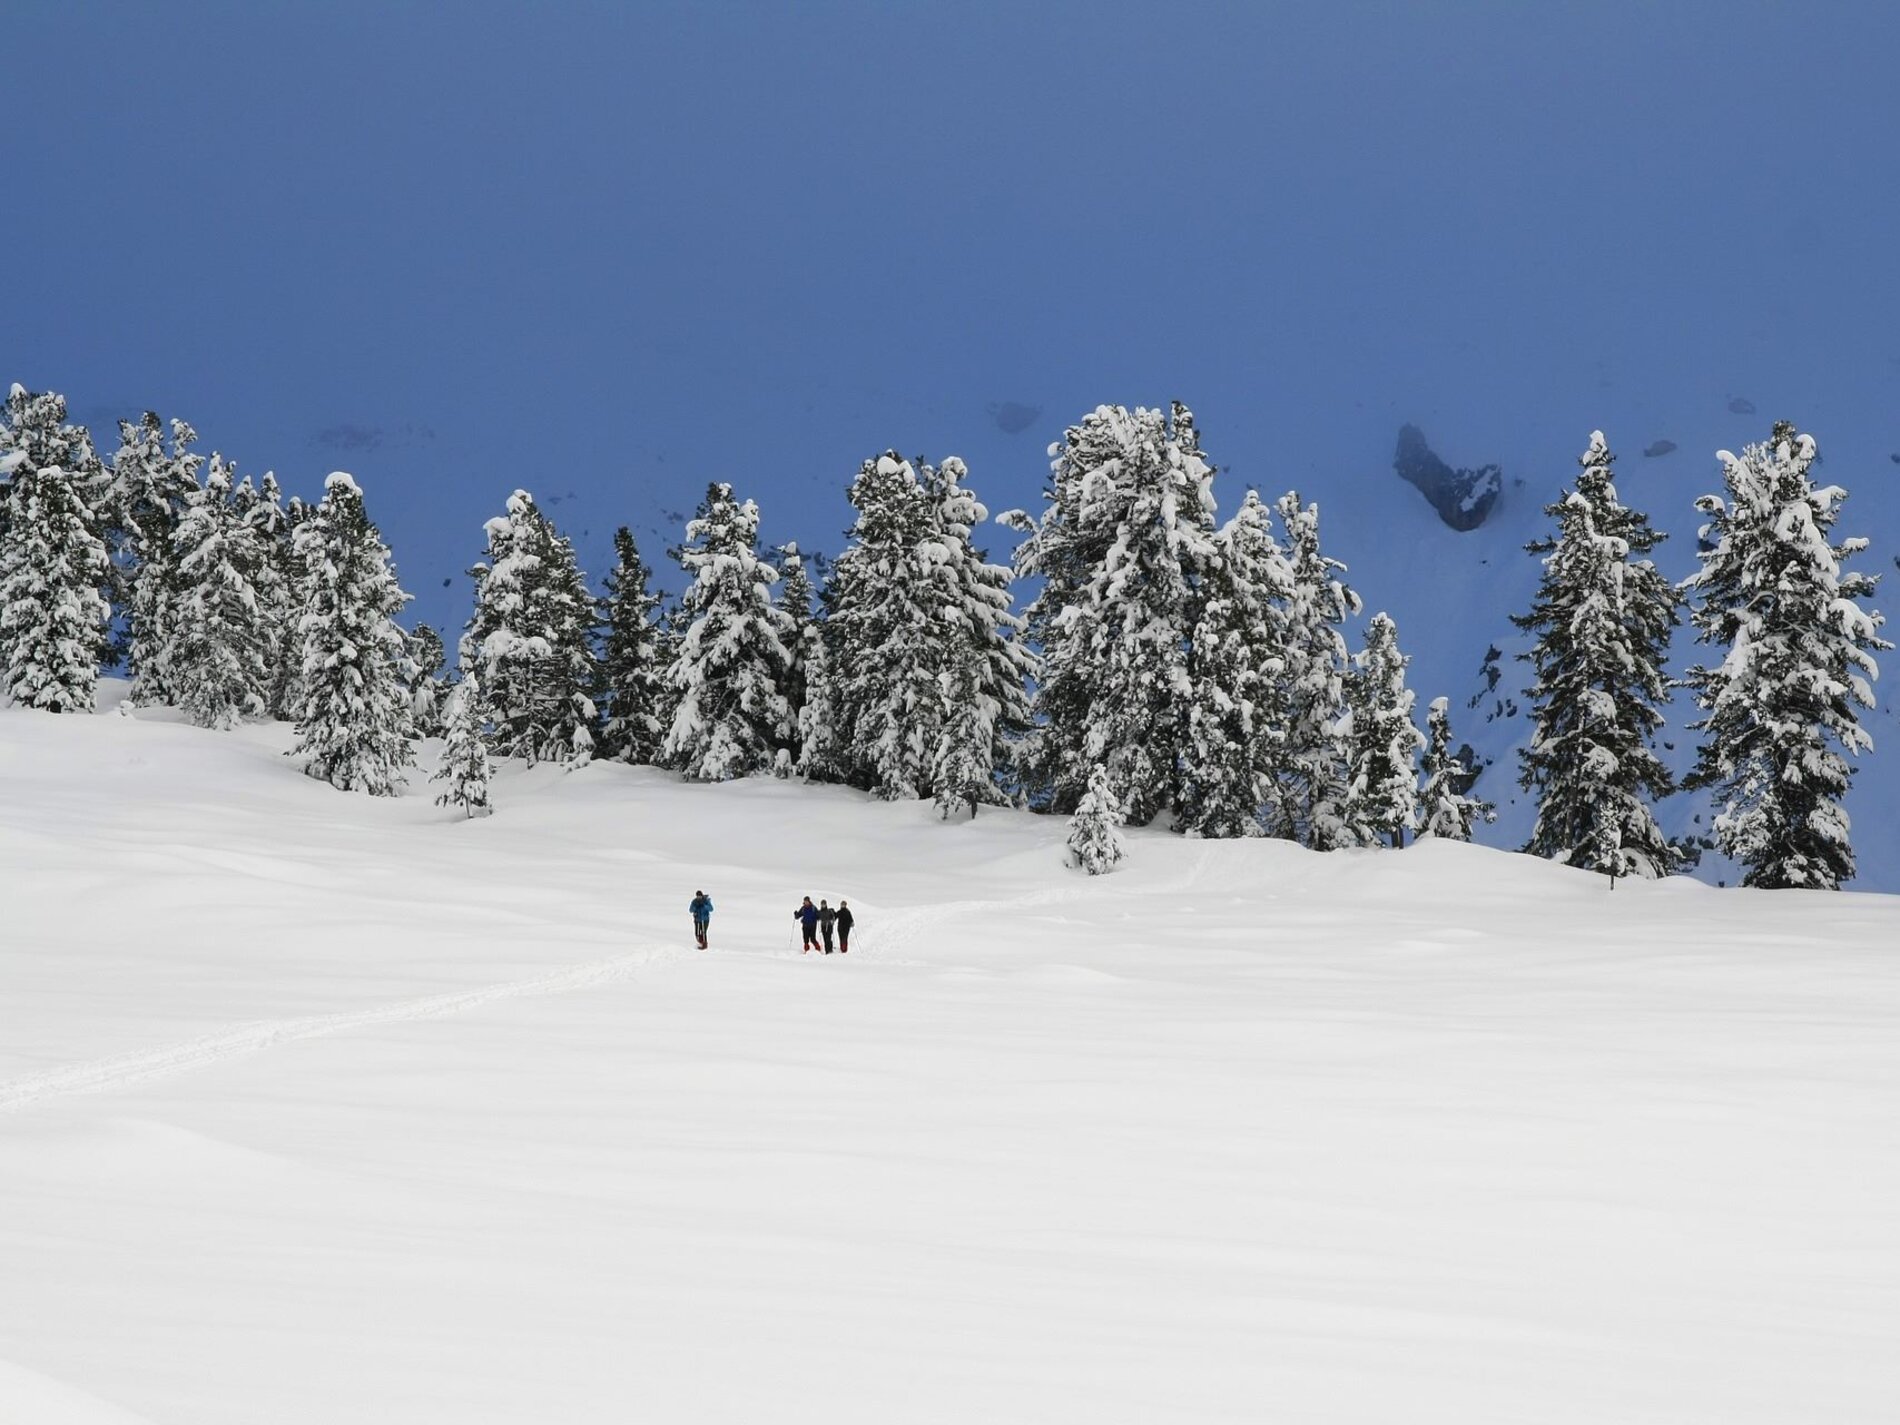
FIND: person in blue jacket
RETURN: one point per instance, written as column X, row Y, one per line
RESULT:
column 701, row 907
column 807, row 916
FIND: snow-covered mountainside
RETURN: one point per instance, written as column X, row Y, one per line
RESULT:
column 1452, row 593
column 319, row 1107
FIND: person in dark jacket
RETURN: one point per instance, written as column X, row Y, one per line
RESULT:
column 701, row 907
column 807, row 916
column 844, row 927
column 827, row 917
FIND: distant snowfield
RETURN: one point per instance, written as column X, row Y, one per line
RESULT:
column 316, row 1108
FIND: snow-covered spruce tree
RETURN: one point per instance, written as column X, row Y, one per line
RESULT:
column 1382, row 789
column 219, row 663
column 730, row 719
column 531, row 638
column 1602, row 618
column 1778, row 710
column 1237, row 653
column 963, row 769
column 354, row 727
column 1309, row 761
column 634, row 660
column 822, row 754
column 802, row 636
column 464, row 766
column 262, row 513
column 141, row 499
column 1446, row 810
column 143, row 496
column 1122, row 547
column 1220, row 791
column 884, row 634
column 152, row 488
column 52, row 567
column 424, row 657
column 985, row 667
column 287, row 699
column 1094, row 843
column 35, row 430
column 575, row 666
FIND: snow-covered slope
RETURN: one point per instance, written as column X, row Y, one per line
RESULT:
column 315, row 1107
column 1453, row 593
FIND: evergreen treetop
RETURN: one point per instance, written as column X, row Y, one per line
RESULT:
column 1381, row 804
column 1602, row 618
column 1446, row 809
column 1778, row 710
column 1122, row 548
column 1308, row 780
column 531, row 637
column 730, row 718
column 637, row 650
column 52, row 614
column 354, row 722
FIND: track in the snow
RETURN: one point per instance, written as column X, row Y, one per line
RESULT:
column 119, row 1070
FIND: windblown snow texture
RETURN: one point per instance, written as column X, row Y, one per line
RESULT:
column 373, row 1111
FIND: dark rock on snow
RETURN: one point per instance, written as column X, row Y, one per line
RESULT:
column 1659, row 447
column 1742, row 406
column 1462, row 497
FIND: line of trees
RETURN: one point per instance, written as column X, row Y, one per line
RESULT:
column 1169, row 667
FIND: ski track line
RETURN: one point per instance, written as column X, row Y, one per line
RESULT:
column 120, row 1070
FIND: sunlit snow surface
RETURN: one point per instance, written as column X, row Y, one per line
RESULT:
column 317, row 1108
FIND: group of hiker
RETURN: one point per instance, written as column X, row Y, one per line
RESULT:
column 817, row 920
column 821, row 919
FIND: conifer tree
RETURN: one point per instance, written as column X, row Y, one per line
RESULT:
column 1446, row 810
column 35, row 431
column 634, row 661
column 1382, row 791
column 1778, row 709
column 730, row 719
column 884, row 644
column 354, row 725
column 144, row 495
column 531, row 638
column 1603, row 617
column 1122, row 547
column 262, row 514
column 465, row 767
column 822, row 755
column 1237, row 653
column 287, row 699
column 1221, row 793
column 1308, row 776
column 424, row 657
column 154, row 490
column 1094, row 843
column 963, row 769
column 802, row 637
column 984, row 667
column 219, row 660
column 141, row 499
column 52, row 567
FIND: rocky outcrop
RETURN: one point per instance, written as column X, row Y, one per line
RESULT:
column 1462, row 497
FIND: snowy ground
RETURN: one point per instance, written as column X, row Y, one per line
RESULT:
column 315, row 1108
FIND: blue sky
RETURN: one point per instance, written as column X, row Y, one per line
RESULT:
column 610, row 252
